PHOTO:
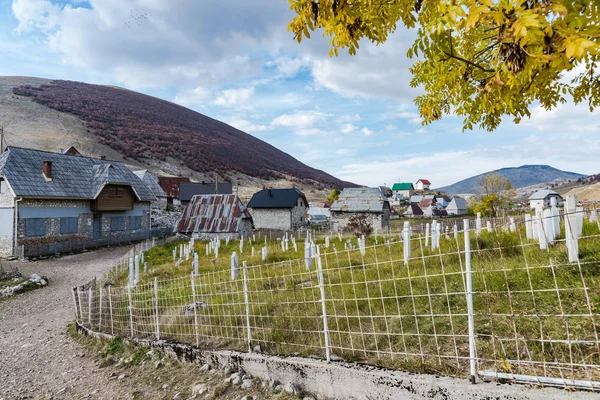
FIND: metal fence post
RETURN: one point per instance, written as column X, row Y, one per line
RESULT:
column 110, row 311
column 156, row 308
column 130, row 310
column 469, row 293
column 323, row 305
column 246, row 299
column 195, row 311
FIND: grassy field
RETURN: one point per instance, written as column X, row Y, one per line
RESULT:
column 535, row 313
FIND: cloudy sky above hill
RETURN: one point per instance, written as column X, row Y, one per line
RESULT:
column 235, row 61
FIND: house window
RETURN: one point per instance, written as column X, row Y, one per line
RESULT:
column 35, row 227
column 135, row 223
column 118, row 191
column 69, row 225
column 3, row 186
column 117, row 224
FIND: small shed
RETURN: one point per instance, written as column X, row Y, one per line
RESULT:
column 543, row 198
column 361, row 201
column 423, row 184
column 222, row 215
column 457, row 206
column 280, row 209
column 413, row 211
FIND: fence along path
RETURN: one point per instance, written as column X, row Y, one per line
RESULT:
column 473, row 301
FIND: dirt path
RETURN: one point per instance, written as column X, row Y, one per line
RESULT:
column 37, row 358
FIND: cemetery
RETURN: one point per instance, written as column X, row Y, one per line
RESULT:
column 511, row 299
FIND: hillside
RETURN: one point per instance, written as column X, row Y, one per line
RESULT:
column 525, row 175
column 146, row 132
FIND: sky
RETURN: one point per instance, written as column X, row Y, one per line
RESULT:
column 235, row 61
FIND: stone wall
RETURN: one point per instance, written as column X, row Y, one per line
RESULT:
column 54, row 210
column 6, row 246
column 272, row 218
column 341, row 219
column 7, row 199
column 299, row 217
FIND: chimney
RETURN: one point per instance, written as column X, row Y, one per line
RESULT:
column 101, row 157
column 47, row 170
column 270, row 193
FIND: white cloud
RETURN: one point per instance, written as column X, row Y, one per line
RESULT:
column 347, row 128
column 193, row 98
column 367, row 132
column 35, row 14
column 245, row 125
column 300, row 119
column 234, row 97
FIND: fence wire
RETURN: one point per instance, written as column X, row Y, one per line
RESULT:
column 535, row 312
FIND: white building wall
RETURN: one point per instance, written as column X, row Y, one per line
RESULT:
column 7, row 223
column 272, row 218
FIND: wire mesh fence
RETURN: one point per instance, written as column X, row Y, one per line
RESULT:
column 509, row 301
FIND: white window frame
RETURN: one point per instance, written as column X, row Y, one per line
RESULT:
column 3, row 186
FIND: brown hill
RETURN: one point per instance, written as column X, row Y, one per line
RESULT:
column 149, row 131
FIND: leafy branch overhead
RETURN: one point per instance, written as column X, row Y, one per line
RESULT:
column 480, row 59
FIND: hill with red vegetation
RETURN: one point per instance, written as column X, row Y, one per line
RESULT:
column 144, row 128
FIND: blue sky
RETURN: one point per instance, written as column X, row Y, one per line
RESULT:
column 235, row 61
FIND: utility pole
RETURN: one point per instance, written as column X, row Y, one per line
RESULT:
column 2, row 141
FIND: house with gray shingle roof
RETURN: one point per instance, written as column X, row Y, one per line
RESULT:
column 152, row 182
column 543, row 198
column 457, row 206
column 54, row 202
column 361, row 201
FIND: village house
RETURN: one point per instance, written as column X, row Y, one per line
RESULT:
column 187, row 190
column 413, row 211
column 422, row 184
column 543, row 198
column 403, row 190
column 170, row 184
column 209, row 216
column 457, row 206
column 361, row 201
column 47, row 199
column 281, row 209
column 152, row 182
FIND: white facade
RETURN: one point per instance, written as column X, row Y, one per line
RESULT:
column 7, row 221
column 420, row 185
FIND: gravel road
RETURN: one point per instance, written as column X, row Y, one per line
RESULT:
column 37, row 358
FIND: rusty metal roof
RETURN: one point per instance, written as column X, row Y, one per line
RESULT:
column 220, row 213
column 368, row 200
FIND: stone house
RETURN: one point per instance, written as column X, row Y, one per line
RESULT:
column 152, row 182
column 280, row 209
column 543, row 198
column 361, row 201
column 457, row 206
column 222, row 215
column 50, row 199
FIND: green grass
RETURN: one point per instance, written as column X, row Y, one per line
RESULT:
column 384, row 312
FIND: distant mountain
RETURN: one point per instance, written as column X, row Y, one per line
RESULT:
column 146, row 130
column 522, row 176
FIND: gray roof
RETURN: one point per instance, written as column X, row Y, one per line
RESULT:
column 276, row 198
column 457, row 203
column 416, row 198
column 542, row 194
column 360, row 200
column 72, row 177
column 187, row 190
column 151, row 181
